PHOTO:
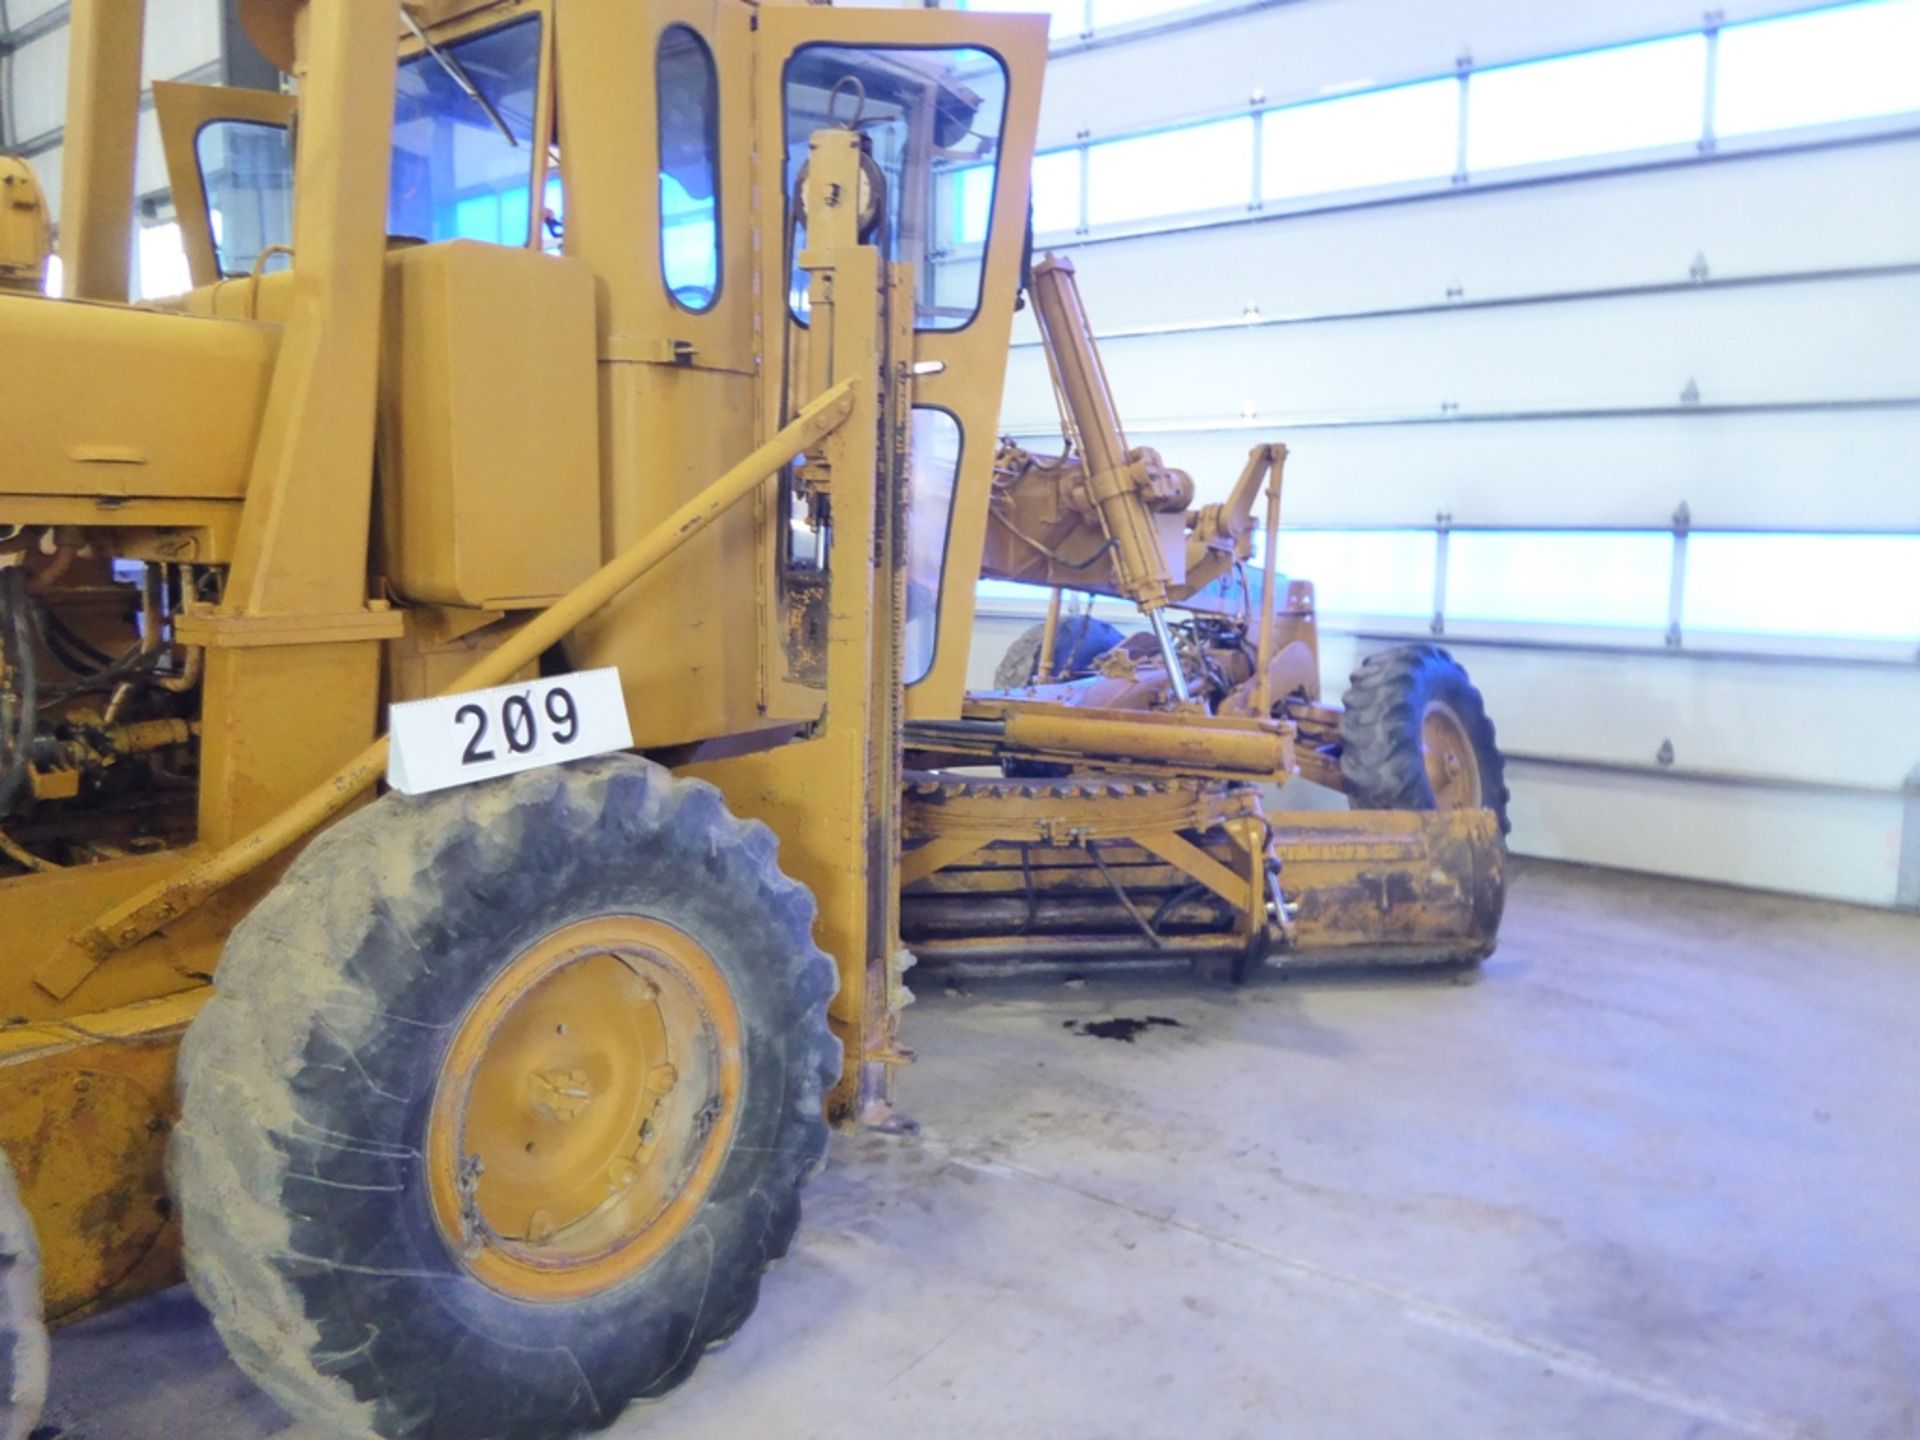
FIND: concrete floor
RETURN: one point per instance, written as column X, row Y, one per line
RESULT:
column 1656, row 1173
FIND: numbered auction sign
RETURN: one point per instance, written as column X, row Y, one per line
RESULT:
column 453, row 739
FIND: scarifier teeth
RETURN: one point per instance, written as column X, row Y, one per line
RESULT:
column 974, row 787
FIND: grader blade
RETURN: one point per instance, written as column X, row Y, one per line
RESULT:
column 1390, row 887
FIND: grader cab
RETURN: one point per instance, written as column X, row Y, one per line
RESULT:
column 562, row 381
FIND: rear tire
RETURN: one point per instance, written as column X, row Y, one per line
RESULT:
column 1415, row 736
column 23, row 1334
column 311, row 1165
column 1080, row 642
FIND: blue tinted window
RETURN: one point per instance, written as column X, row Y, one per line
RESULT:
column 929, row 119
column 455, row 156
column 688, row 91
column 933, row 470
column 972, row 203
column 475, row 218
column 1630, row 97
column 1012, row 590
column 553, row 215
column 246, row 169
column 1850, row 63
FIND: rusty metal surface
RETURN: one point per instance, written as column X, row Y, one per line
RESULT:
column 1071, row 866
column 1392, row 886
column 86, row 1107
column 1127, row 857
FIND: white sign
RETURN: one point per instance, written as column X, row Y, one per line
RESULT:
column 453, row 739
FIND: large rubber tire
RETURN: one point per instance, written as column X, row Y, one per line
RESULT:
column 23, row 1335
column 1081, row 641
column 307, row 1082
column 1382, row 755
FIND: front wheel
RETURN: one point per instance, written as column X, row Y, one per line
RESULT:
column 1077, row 644
column 504, row 1103
column 1415, row 736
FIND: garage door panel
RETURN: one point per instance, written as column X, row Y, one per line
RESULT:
column 1841, row 847
column 1302, row 51
column 1789, row 470
column 1848, row 207
column 1841, row 340
column 1840, row 725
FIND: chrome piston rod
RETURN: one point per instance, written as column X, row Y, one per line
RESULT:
column 1176, row 677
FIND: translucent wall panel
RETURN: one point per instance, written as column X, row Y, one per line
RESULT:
column 21, row 13
column 1581, row 577
column 1626, row 98
column 1108, row 13
column 1056, row 191
column 1849, row 63
column 1011, row 591
column 36, row 82
column 180, row 36
column 972, row 203
column 1374, row 572
column 1864, row 586
column 1069, row 17
column 1379, row 138
column 1199, row 167
column 161, row 262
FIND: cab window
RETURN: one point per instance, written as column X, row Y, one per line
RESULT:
column 930, row 120
column 687, row 89
column 933, row 469
column 247, row 173
column 463, row 125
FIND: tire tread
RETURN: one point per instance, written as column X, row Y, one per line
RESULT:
column 251, row 1086
column 1380, row 755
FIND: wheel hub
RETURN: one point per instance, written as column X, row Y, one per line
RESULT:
column 584, row 1107
column 1453, row 767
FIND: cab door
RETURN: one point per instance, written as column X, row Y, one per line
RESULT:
column 948, row 105
column 230, row 166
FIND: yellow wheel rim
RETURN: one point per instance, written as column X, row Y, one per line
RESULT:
column 584, row 1108
column 1453, row 766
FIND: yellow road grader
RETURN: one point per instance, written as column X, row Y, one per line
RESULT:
column 612, row 384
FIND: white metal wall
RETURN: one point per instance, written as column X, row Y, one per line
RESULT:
column 1741, row 334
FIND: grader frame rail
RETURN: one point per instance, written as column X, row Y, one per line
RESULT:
column 487, row 1109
